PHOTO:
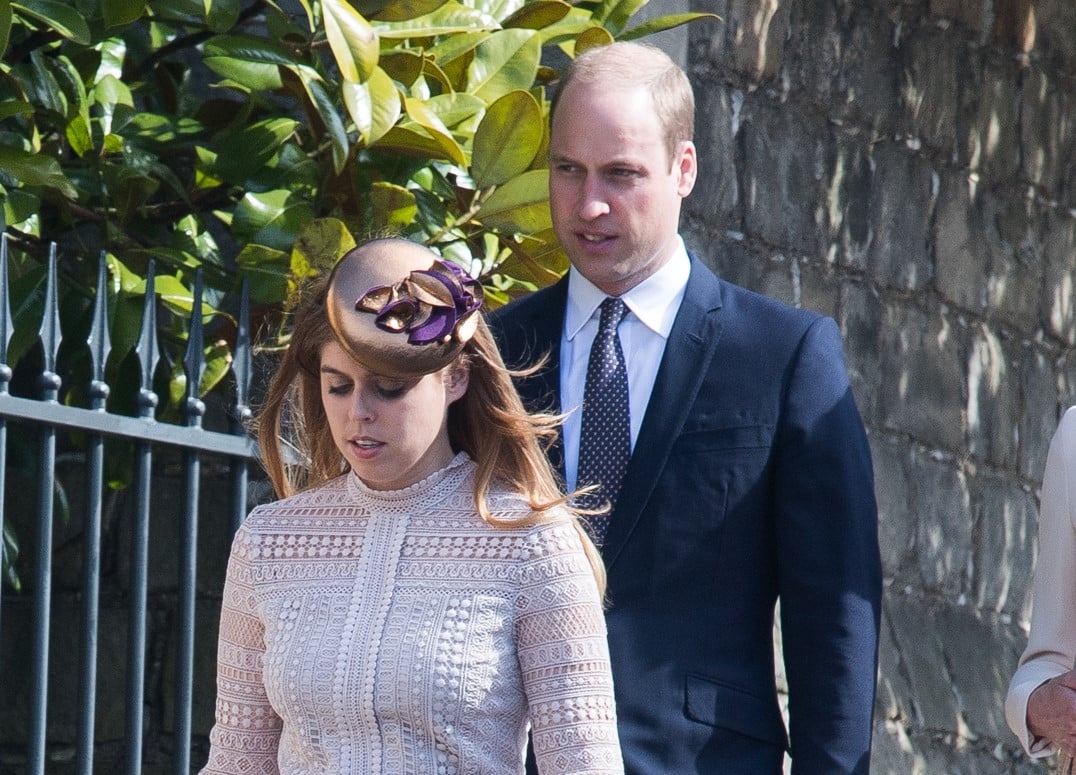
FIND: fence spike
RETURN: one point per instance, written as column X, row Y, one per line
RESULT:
column 241, row 358
column 148, row 353
column 194, row 360
column 50, row 327
column 98, row 339
column 6, row 325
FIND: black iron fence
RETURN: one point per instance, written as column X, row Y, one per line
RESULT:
column 93, row 424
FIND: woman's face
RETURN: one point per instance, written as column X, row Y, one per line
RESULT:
column 392, row 432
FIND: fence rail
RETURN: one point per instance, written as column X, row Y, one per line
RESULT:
column 95, row 423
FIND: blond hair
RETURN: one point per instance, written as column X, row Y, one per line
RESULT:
column 489, row 423
column 629, row 65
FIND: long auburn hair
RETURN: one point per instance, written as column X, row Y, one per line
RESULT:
column 488, row 422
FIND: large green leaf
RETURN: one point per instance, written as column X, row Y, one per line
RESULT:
column 221, row 15
column 112, row 96
column 538, row 260
column 520, row 205
column 59, row 16
column 351, row 38
column 411, row 143
column 242, row 154
column 507, row 139
column 34, row 169
column 9, row 108
column 458, row 110
column 420, row 113
column 538, row 14
column 452, row 18
column 662, row 23
column 44, row 89
column 397, row 10
column 272, row 218
column 393, row 206
column 507, row 60
column 118, row 13
column 249, row 61
column 5, row 25
column 321, row 243
column 374, row 106
column 267, row 272
column 326, row 109
column 614, row 14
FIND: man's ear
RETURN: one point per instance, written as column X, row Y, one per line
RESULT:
column 456, row 382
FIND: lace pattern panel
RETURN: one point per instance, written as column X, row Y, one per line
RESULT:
column 399, row 633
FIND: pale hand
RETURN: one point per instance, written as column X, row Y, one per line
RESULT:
column 1051, row 712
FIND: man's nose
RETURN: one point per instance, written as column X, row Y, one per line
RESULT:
column 594, row 203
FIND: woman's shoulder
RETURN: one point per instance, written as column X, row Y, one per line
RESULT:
column 314, row 503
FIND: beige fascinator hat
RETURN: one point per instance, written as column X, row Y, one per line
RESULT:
column 400, row 310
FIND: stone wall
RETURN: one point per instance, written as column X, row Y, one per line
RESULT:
column 910, row 169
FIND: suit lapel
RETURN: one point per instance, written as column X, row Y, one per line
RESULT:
column 687, row 357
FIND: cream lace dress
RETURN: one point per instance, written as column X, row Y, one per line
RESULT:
column 367, row 632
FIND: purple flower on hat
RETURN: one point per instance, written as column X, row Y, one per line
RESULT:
column 431, row 305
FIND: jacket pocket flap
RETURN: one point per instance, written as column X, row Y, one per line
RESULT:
column 721, row 705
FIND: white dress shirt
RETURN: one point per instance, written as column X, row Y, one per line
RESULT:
column 652, row 307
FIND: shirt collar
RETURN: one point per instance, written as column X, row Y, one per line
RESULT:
column 654, row 301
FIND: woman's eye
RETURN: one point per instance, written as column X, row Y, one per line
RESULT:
column 392, row 391
column 340, row 390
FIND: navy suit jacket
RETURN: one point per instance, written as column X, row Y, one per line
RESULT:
column 750, row 481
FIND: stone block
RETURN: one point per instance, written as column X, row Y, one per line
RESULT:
column 867, row 91
column 902, row 198
column 861, row 314
column 961, row 260
column 923, row 662
column 893, row 701
column 755, row 34
column 1011, row 233
column 783, row 158
column 1059, row 276
column 813, row 51
column 1042, row 405
column 848, row 196
column 980, row 658
column 934, row 67
column 716, row 194
column 1047, row 131
column 940, row 498
column 969, row 14
column 819, row 288
column 921, row 352
column 988, row 141
column 1005, row 549
column 896, row 518
column 993, row 397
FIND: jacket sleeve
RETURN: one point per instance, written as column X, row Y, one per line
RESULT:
column 1051, row 646
column 246, row 734
column 829, row 569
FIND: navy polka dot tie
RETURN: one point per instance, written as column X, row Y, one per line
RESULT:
column 605, row 439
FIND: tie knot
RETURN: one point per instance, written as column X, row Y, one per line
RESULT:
column 613, row 311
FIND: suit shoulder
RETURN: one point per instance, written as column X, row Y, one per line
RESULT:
column 522, row 308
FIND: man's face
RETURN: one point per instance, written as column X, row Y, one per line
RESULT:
column 614, row 192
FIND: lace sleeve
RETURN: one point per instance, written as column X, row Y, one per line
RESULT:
column 564, row 657
column 246, row 733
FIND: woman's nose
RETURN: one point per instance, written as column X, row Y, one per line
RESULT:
column 361, row 408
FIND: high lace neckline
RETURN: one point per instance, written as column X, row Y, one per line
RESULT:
column 458, row 467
